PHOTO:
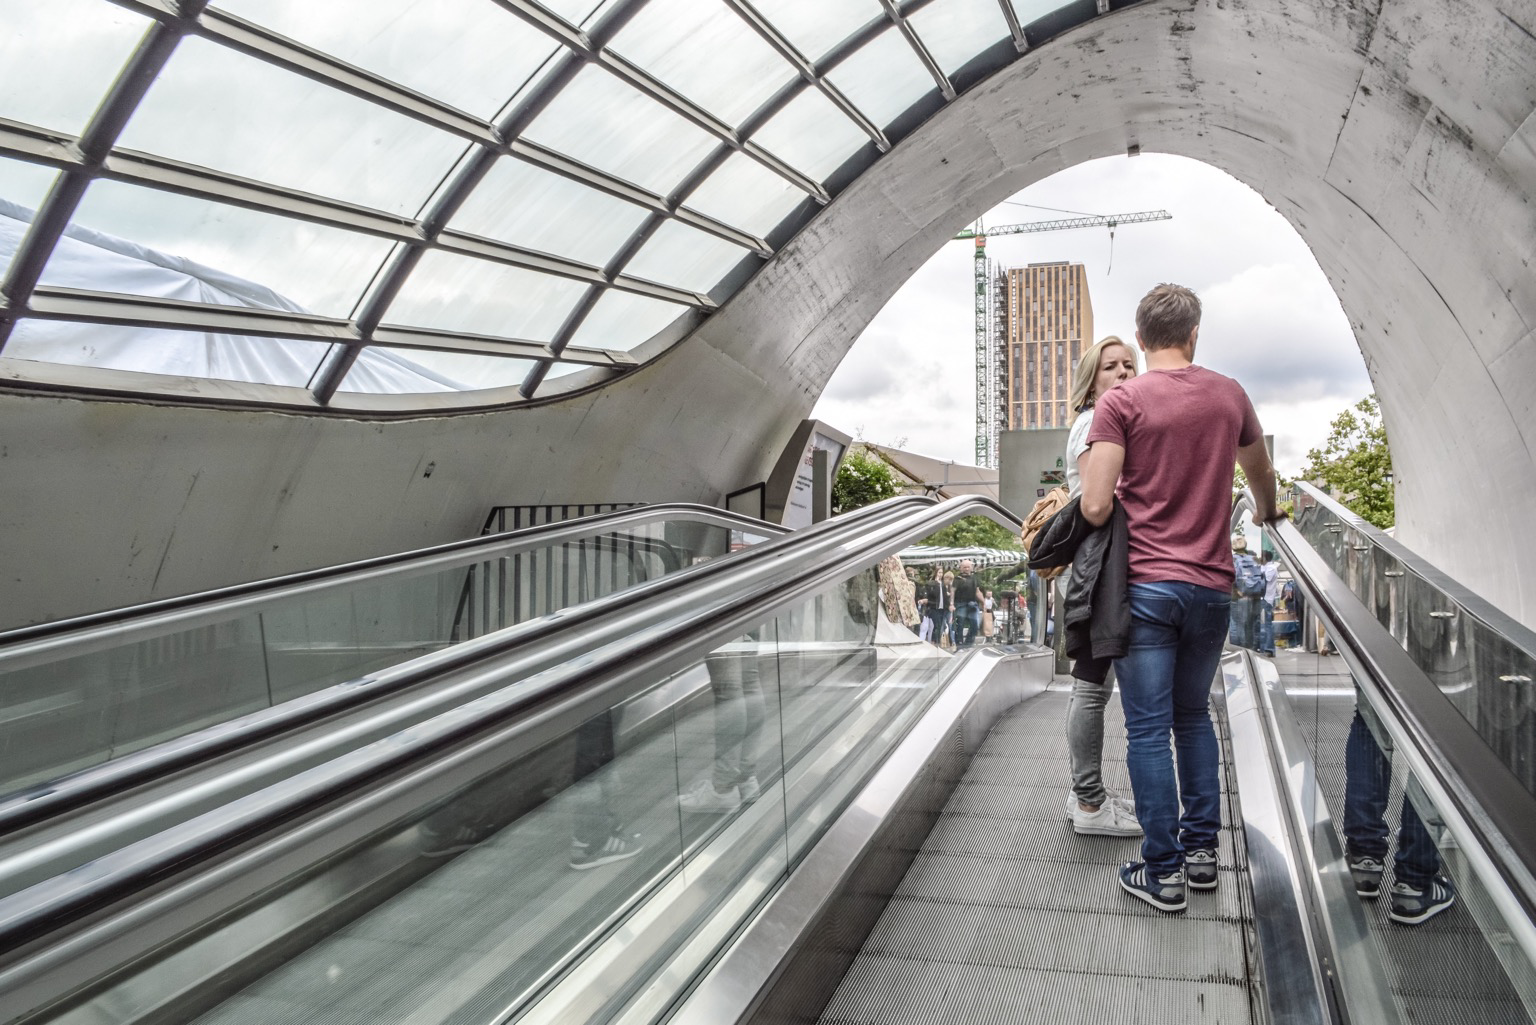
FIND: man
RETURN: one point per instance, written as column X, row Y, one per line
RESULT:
column 967, row 605
column 1168, row 439
column 1247, row 591
column 1271, row 596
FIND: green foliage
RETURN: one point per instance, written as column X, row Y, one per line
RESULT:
column 1355, row 465
column 862, row 479
column 974, row 532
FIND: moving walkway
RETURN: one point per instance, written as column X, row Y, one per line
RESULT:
column 504, row 832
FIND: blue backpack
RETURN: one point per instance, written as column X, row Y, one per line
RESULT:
column 1250, row 576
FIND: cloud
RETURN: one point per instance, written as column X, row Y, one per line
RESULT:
column 1271, row 319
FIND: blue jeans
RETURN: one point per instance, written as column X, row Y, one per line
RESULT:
column 1165, row 679
column 1266, row 627
column 1367, row 784
column 967, row 623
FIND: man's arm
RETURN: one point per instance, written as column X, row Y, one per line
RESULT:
column 1099, row 470
column 1254, row 459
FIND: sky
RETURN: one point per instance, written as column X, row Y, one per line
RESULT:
column 1271, row 320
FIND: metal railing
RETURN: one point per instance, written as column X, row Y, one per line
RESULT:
column 60, row 933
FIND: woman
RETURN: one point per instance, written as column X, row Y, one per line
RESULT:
column 946, row 638
column 1094, row 812
column 988, row 619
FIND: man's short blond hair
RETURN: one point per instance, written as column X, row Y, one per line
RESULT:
column 1167, row 316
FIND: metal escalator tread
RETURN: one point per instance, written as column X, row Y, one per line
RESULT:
column 1008, row 916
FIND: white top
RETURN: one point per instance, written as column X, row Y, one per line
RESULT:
column 1077, row 444
column 1271, row 583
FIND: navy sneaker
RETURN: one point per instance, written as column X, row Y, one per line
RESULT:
column 1200, row 866
column 1366, row 873
column 1412, row 905
column 1165, row 893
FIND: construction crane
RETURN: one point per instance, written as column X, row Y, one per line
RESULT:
column 988, row 352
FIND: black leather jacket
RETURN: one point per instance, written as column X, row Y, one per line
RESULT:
column 1097, row 613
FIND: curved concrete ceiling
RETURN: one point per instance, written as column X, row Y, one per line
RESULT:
column 1400, row 142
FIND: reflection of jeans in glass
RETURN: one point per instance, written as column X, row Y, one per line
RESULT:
column 595, row 821
column 967, row 622
column 1266, row 627
column 1367, row 784
column 1243, row 631
column 1165, row 686
column 940, row 620
column 1085, row 738
column 739, row 714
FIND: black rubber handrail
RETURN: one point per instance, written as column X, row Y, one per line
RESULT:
column 655, row 639
column 33, row 805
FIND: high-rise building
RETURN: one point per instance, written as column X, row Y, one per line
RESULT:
column 1046, row 323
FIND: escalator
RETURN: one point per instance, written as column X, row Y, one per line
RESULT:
column 731, row 790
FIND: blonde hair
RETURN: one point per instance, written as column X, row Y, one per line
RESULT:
column 1088, row 369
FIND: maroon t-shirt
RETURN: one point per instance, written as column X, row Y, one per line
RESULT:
column 1181, row 430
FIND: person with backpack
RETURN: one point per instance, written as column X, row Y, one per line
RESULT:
column 1248, row 585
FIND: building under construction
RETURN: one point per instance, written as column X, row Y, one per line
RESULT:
column 1044, row 322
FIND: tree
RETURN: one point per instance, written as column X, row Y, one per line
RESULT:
column 862, row 479
column 974, row 532
column 1355, row 465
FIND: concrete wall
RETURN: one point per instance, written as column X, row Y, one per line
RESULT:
column 1399, row 140
column 1023, row 457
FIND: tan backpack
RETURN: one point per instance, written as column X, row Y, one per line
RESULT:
column 1044, row 509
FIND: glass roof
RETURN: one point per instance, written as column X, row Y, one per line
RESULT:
column 407, row 204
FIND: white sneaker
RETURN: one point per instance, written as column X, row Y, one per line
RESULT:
column 750, row 790
column 703, row 798
column 1111, row 819
column 1125, row 804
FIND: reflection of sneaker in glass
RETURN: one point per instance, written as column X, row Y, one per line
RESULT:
column 1111, row 819
column 704, row 799
column 750, row 791
column 1411, row 905
column 616, row 848
column 434, row 842
column 1366, row 873
column 1200, row 866
column 1165, row 893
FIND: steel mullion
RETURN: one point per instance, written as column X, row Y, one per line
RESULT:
column 85, row 306
column 88, row 306
column 594, row 50
column 574, row 170
column 38, row 145
column 584, row 307
column 159, row 10
column 63, row 198
column 271, row 48
column 946, row 88
column 1015, row 29
column 698, row 116
column 334, row 369
column 189, row 179
column 448, row 341
column 774, row 38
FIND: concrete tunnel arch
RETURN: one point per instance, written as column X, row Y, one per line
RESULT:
column 1399, row 140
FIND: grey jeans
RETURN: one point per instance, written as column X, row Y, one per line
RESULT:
column 1085, row 738
column 739, row 714
column 1085, row 726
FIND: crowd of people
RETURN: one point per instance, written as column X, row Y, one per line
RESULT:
column 956, row 612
